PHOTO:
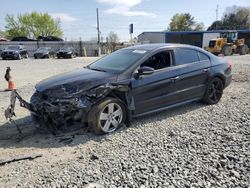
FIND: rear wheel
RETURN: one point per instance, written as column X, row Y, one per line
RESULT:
column 226, row 50
column 243, row 50
column 214, row 91
column 107, row 116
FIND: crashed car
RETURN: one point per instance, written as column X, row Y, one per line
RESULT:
column 128, row 83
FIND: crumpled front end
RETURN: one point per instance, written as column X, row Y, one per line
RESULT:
column 56, row 108
column 54, row 113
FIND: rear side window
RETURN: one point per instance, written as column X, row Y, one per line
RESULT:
column 203, row 57
column 185, row 56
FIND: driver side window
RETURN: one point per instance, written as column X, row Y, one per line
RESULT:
column 159, row 61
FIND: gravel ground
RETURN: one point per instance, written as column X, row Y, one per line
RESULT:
column 190, row 146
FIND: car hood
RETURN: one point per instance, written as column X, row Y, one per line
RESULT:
column 83, row 79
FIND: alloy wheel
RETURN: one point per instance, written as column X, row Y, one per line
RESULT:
column 215, row 91
column 110, row 117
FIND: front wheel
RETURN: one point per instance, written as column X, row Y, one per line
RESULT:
column 214, row 91
column 19, row 57
column 107, row 116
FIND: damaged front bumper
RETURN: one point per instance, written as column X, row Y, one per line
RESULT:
column 57, row 109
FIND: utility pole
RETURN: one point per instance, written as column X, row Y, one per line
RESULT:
column 98, row 31
column 217, row 13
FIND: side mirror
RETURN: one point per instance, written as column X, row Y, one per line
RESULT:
column 144, row 71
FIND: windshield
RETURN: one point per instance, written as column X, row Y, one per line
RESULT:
column 43, row 49
column 118, row 61
column 13, row 48
column 66, row 48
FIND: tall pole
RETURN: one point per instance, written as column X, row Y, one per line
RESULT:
column 217, row 13
column 98, row 31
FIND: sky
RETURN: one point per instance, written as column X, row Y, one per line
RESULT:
column 78, row 17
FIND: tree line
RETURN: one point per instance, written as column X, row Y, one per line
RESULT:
column 233, row 18
column 32, row 25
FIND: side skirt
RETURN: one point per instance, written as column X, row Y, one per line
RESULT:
column 166, row 107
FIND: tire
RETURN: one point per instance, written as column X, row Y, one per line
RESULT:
column 102, row 119
column 35, row 57
column 19, row 57
column 243, row 50
column 214, row 91
column 226, row 50
column 26, row 56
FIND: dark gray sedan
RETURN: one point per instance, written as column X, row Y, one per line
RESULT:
column 14, row 52
column 128, row 83
column 44, row 52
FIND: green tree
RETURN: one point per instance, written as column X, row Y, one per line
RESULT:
column 2, row 33
column 233, row 18
column 184, row 22
column 236, row 18
column 216, row 25
column 32, row 25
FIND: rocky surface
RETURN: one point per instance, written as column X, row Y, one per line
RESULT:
column 190, row 146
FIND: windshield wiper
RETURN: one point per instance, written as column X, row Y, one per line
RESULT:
column 96, row 69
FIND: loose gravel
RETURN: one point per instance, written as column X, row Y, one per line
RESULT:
column 190, row 146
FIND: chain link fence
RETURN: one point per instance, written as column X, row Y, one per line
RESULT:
column 82, row 48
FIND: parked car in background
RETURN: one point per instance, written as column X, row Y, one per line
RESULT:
column 44, row 52
column 128, row 83
column 66, row 52
column 14, row 52
column 49, row 38
column 22, row 39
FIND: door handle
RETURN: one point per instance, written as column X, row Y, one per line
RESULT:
column 175, row 78
column 206, row 70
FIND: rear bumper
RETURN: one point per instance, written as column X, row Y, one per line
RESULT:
column 228, row 81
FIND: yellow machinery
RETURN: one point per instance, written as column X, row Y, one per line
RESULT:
column 227, row 44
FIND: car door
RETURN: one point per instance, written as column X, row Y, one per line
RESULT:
column 150, row 92
column 190, row 84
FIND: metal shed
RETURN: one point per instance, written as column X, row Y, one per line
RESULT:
column 196, row 38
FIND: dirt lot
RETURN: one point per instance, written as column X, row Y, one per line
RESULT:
column 190, row 146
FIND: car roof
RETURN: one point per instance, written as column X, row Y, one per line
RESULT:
column 151, row 47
